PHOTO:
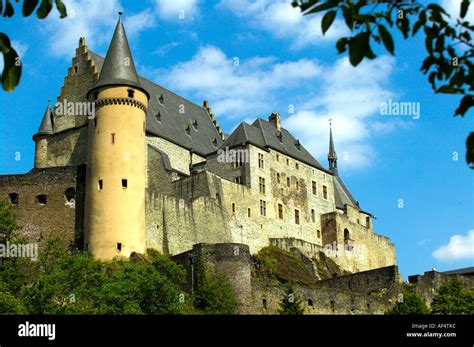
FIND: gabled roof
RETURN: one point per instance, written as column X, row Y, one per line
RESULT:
column 164, row 117
column 118, row 67
column 46, row 126
column 264, row 134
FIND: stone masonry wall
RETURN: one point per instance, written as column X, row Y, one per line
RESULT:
column 58, row 216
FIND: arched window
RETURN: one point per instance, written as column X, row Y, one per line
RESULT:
column 346, row 235
column 13, row 198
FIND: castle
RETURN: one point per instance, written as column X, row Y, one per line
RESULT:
column 150, row 169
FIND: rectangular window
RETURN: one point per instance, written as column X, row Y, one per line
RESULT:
column 297, row 166
column 100, row 185
column 288, row 181
column 124, row 184
column 319, row 234
column 131, row 93
column 297, row 184
column 314, row 188
column 233, row 207
column 237, row 162
column 297, row 216
column 313, row 215
column 13, row 198
column 367, row 222
column 238, row 179
column 119, row 246
column 260, row 161
column 278, row 157
column 325, row 192
column 278, row 177
column 280, row 211
column 113, row 137
column 261, row 184
column 263, row 208
column 287, row 161
column 249, row 212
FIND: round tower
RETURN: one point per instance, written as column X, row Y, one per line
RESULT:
column 115, row 181
column 41, row 138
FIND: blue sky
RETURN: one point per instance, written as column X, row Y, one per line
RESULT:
column 251, row 58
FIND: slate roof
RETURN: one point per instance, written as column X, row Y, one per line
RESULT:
column 165, row 120
column 264, row 134
column 342, row 195
column 46, row 126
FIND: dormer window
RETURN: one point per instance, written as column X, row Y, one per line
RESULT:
column 161, row 99
column 131, row 93
column 195, row 124
column 214, row 142
column 297, row 144
column 158, row 117
column 188, row 130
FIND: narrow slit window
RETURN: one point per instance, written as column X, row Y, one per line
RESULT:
column 124, row 183
column 233, row 207
column 297, row 217
column 75, row 69
column 280, row 211
column 112, row 137
column 119, row 246
column 249, row 212
column 100, row 184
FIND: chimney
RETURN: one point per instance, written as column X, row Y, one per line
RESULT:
column 274, row 118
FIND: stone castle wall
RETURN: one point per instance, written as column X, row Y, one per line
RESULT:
column 370, row 292
column 58, row 216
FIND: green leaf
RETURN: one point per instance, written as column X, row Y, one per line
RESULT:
column 446, row 89
column 328, row 19
column 325, row 6
column 386, row 38
column 440, row 43
column 341, row 44
column 44, row 9
column 358, row 46
column 347, row 14
column 29, row 6
column 422, row 17
column 464, row 7
column 438, row 9
column 466, row 102
column 11, row 69
column 8, row 9
column 416, row 27
column 61, row 8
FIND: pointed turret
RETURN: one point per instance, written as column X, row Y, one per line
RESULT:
column 118, row 68
column 46, row 126
column 332, row 157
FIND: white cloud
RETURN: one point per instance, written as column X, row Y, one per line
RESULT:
column 95, row 21
column 237, row 88
column 260, row 85
column 20, row 47
column 459, row 247
column 177, row 9
column 284, row 21
column 92, row 19
column 351, row 97
column 164, row 49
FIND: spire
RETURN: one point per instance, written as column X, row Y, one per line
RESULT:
column 46, row 126
column 118, row 67
column 332, row 157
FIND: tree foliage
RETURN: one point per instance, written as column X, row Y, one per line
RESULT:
column 449, row 46
column 290, row 304
column 12, row 63
column 8, row 226
column 409, row 304
column 453, row 298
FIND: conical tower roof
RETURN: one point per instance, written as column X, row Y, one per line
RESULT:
column 46, row 126
column 332, row 157
column 118, row 67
